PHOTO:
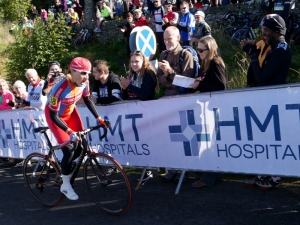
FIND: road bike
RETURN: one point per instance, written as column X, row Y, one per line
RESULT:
column 104, row 178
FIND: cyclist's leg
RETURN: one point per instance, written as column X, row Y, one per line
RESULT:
column 66, row 163
column 74, row 122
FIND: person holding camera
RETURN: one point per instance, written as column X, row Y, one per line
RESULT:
column 54, row 76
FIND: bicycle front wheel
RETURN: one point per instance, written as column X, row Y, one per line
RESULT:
column 107, row 184
column 42, row 178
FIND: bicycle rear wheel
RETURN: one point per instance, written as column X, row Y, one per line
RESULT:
column 107, row 184
column 42, row 178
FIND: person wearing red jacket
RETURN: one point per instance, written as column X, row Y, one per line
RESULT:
column 139, row 19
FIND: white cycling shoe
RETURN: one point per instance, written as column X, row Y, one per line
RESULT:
column 67, row 189
column 69, row 192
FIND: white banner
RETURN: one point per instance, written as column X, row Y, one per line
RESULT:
column 246, row 131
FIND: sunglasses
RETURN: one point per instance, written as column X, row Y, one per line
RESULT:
column 83, row 72
column 155, row 1
column 201, row 50
column 183, row 8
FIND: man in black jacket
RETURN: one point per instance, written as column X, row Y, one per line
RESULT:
column 272, row 70
column 107, row 86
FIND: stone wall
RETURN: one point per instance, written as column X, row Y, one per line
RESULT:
column 110, row 31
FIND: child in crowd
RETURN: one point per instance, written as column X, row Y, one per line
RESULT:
column 127, row 30
column 119, row 6
column 44, row 16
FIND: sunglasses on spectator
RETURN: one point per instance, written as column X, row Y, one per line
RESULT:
column 83, row 72
column 201, row 50
column 155, row 1
column 183, row 8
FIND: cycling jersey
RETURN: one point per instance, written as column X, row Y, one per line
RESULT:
column 64, row 95
column 61, row 112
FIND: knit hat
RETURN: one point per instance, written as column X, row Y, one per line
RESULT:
column 200, row 13
column 275, row 23
column 138, row 11
column 81, row 64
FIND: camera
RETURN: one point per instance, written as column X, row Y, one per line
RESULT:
column 56, row 74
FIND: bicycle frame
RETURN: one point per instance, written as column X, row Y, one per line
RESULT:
column 85, row 149
column 104, row 178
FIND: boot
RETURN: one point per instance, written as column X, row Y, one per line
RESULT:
column 116, row 18
column 67, row 189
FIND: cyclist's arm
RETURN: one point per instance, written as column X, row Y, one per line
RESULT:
column 58, row 121
column 91, row 106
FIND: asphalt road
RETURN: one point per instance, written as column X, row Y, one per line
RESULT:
column 229, row 202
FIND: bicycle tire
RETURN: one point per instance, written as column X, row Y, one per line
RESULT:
column 43, row 180
column 112, row 193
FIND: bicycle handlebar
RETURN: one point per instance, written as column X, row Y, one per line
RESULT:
column 84, row 132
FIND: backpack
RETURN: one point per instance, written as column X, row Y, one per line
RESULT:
column 181, row 57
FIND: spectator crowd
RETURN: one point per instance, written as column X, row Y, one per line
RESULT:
column 270, row 60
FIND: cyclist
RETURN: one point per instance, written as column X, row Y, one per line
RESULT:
column 63, row 118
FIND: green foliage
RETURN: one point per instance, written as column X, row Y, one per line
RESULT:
column 41, row 45
column 14, row 10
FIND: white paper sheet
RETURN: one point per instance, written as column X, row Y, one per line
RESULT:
column 183, row 81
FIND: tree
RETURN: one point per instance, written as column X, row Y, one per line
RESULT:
column 14, row 10
column 35, row 48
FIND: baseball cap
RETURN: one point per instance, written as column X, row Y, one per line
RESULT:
column 81, row 64
column 275, row 23
column 200, row 13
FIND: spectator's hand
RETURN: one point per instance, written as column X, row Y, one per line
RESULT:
column 165, row 20
column 197, row 82
column 10, row 103
column 125, row 82
column 151, row 20
column 248, row 46
column 132, row 25
column 245, row 42
column 164, row 66
column 173, row 23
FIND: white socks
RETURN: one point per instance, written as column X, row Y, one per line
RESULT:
column 67, row 189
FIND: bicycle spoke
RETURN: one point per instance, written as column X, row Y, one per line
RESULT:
column 42, row 179
column 108, row 184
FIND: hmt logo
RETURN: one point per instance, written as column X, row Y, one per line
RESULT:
column 186, row 129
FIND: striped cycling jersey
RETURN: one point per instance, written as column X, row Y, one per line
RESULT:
column 64, row 96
